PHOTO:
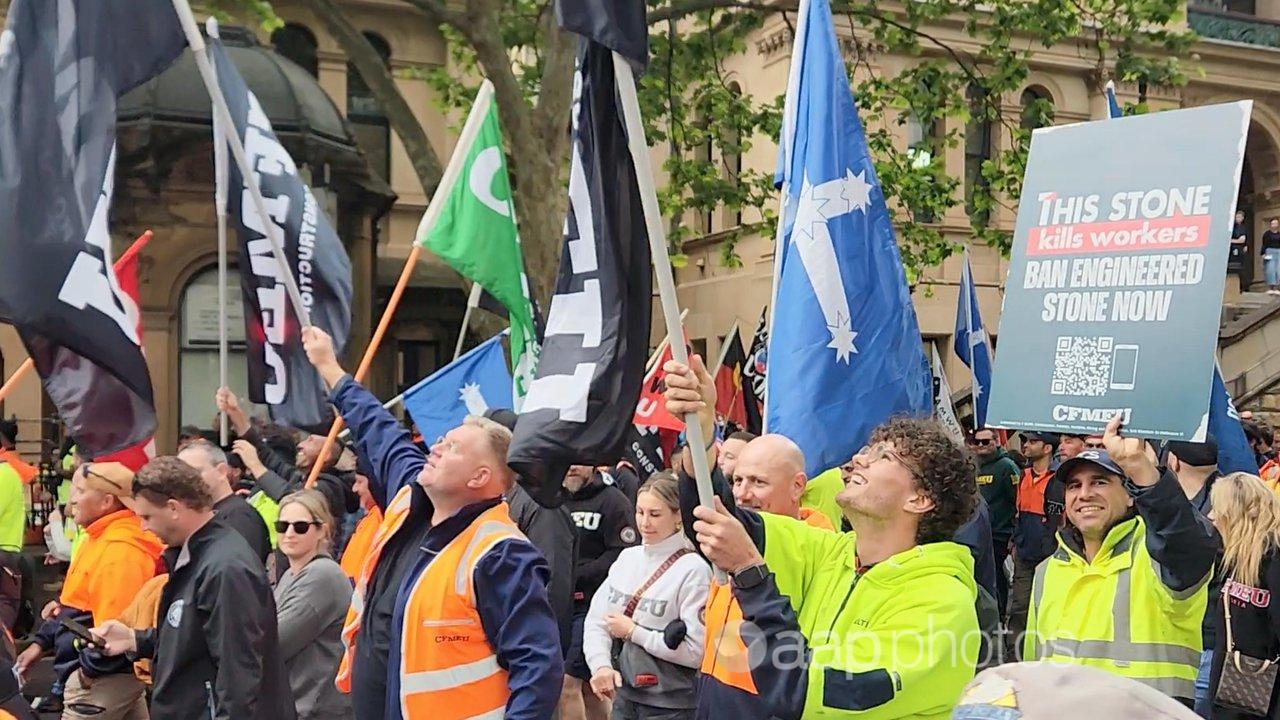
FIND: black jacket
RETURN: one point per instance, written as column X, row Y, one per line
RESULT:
column 283, row 477
column 237, row 514
column 606, row 522
column 1255, row 627
column 217, row 627
column 552, row 532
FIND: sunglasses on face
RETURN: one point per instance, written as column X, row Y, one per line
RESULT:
column 300, row 527
column 976, row 442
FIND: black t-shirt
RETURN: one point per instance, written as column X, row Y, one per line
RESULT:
column 1271, row 240
column 235, row 513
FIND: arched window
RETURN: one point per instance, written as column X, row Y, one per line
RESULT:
column 1037, row 108
column 368, row 120
column 297, row 43
column 198, row 351
column 705, row 153
column 923, row 146
column 732, row 157
column 977, row 149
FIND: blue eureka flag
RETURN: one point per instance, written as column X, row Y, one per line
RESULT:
column 478, row 381
column 971, row 344
column 845, row 352
column 1234, row 453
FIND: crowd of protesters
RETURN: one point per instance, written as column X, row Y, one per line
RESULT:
column 417, row 580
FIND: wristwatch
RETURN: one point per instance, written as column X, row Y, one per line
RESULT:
column 750, row 576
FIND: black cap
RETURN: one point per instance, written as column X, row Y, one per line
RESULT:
column 1199, row 454
column 1044, row 437
column 1099, row 458
column 503, row 417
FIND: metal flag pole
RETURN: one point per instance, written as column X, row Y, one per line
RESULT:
column 223, row 115
column 473, row 302
column 661, row 264
column 221, row 177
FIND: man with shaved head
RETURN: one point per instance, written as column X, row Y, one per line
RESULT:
column 769, row 476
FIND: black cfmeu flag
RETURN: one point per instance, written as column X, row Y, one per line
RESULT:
column 580, row 406
column 63, row 65
column 280, row 375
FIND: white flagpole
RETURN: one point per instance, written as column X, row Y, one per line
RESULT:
column 724, row 346
column 220, row 111
column 221, row 176
column 385, row 406
column 473, row 302
column 661, row 264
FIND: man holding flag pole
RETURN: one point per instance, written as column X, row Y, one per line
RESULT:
column 878, row 623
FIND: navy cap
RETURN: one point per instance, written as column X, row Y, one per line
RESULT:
column 1099, row 458
column 1045, row 437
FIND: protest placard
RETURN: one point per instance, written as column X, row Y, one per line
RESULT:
column 1114, row 292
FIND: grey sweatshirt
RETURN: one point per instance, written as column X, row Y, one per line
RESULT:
column 311, row 606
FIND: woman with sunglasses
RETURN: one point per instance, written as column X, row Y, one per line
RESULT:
column 311, row 601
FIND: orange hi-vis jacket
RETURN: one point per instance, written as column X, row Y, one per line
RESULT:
column 116, row 559
column 724, row 657
column 361, row 542
column 446, row 661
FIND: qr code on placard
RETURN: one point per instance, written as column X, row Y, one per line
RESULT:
column 1082, row 366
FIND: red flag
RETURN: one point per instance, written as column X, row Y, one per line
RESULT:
column 126, row 266
column 652, row 409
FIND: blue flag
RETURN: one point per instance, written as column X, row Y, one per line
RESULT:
column 971, row 344
column 1234, row 453
column 845, row 352
column 478, row 381
column 1113, row 107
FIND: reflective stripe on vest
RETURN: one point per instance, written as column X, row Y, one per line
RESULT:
column 445, row 658
column 397, row 512
column 1122, row 650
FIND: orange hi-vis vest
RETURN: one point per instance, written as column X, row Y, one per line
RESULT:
column 446, row 661
column 1270, row 473
column 361, row 543
column 724, row 654
column 1031, row 491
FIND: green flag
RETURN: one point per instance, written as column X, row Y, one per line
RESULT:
column 471, row 225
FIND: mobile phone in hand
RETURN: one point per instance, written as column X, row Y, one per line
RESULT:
column 82, row 632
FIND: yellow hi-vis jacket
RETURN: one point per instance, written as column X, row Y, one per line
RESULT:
column 1136, row 610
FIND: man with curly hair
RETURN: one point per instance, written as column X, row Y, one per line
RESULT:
column 878, row 623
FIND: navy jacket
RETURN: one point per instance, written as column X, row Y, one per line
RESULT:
column 510, row 581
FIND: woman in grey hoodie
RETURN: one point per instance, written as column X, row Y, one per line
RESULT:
column 312, row 596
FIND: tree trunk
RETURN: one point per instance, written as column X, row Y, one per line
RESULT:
column 378, row 77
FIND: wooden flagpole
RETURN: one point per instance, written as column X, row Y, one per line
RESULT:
column 452, row 171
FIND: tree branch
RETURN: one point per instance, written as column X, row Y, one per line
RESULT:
column 378, row 77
